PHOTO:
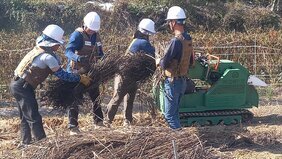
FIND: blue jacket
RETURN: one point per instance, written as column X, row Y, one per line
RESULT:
column 174, row 51
column 141, row 45
column 76, row 43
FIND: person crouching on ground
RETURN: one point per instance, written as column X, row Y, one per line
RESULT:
column 31, row 72
column 122, row 91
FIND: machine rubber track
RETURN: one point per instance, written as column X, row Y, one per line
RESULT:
column 226, row 117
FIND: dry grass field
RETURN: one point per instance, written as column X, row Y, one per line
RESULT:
column 257, row 49
column 261, row 138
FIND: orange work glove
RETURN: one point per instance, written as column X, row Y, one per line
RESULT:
column 85, row 80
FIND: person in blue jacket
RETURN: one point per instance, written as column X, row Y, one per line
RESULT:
column 140, row 44
column 83, row 49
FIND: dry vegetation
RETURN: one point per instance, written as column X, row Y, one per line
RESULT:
column 150, row 139
column 268, row 47
column 260, row 139
column 257, row 49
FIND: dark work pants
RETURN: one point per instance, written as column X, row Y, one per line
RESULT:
column 96, row 109
column 123, row 91
column 31, row 120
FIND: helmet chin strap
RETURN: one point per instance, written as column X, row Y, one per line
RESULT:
column 175, row 28
column 171, row 28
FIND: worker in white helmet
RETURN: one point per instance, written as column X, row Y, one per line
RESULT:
column 83, row 49
column 122, row 91
column 31, row 72
column 175, row 63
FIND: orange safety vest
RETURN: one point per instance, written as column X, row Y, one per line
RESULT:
column 178, row 69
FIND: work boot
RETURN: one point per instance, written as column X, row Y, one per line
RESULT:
column 21, row 145
column 74, row 131
column 126, row 123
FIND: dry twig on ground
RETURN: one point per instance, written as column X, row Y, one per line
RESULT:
column 138, row 142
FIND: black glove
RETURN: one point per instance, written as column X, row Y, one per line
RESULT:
column 83, row 59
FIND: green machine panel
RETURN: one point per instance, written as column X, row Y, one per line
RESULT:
column 225, row 95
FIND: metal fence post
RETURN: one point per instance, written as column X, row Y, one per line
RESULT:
column 174, row 149
column 255, row 59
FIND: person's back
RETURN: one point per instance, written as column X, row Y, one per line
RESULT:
column 122, row 91
column 141, row 44
column 175, row 65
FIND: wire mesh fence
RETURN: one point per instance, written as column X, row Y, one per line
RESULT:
column 264, row 62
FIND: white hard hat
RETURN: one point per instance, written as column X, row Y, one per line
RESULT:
column 52, row 35
column 175, row 12
column 147, row 26
column 92, row 21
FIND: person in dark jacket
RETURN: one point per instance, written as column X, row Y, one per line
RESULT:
column 175, row 64
column 140, row 44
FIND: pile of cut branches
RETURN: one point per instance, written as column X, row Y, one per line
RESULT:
column 138, row 142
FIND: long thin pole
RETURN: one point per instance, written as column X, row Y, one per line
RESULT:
column 174, row 149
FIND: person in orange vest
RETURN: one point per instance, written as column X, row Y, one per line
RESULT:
column 83, row 49
column 175, row 64
column 31, row 72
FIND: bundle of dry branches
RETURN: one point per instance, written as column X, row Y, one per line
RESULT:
column 61, row 94
column 58, row 93
column 136, row 69
column 139, row 67
column 145, row 97
column 104, row 70
column 138, row 142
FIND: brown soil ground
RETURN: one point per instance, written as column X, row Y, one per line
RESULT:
column 261, row 138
